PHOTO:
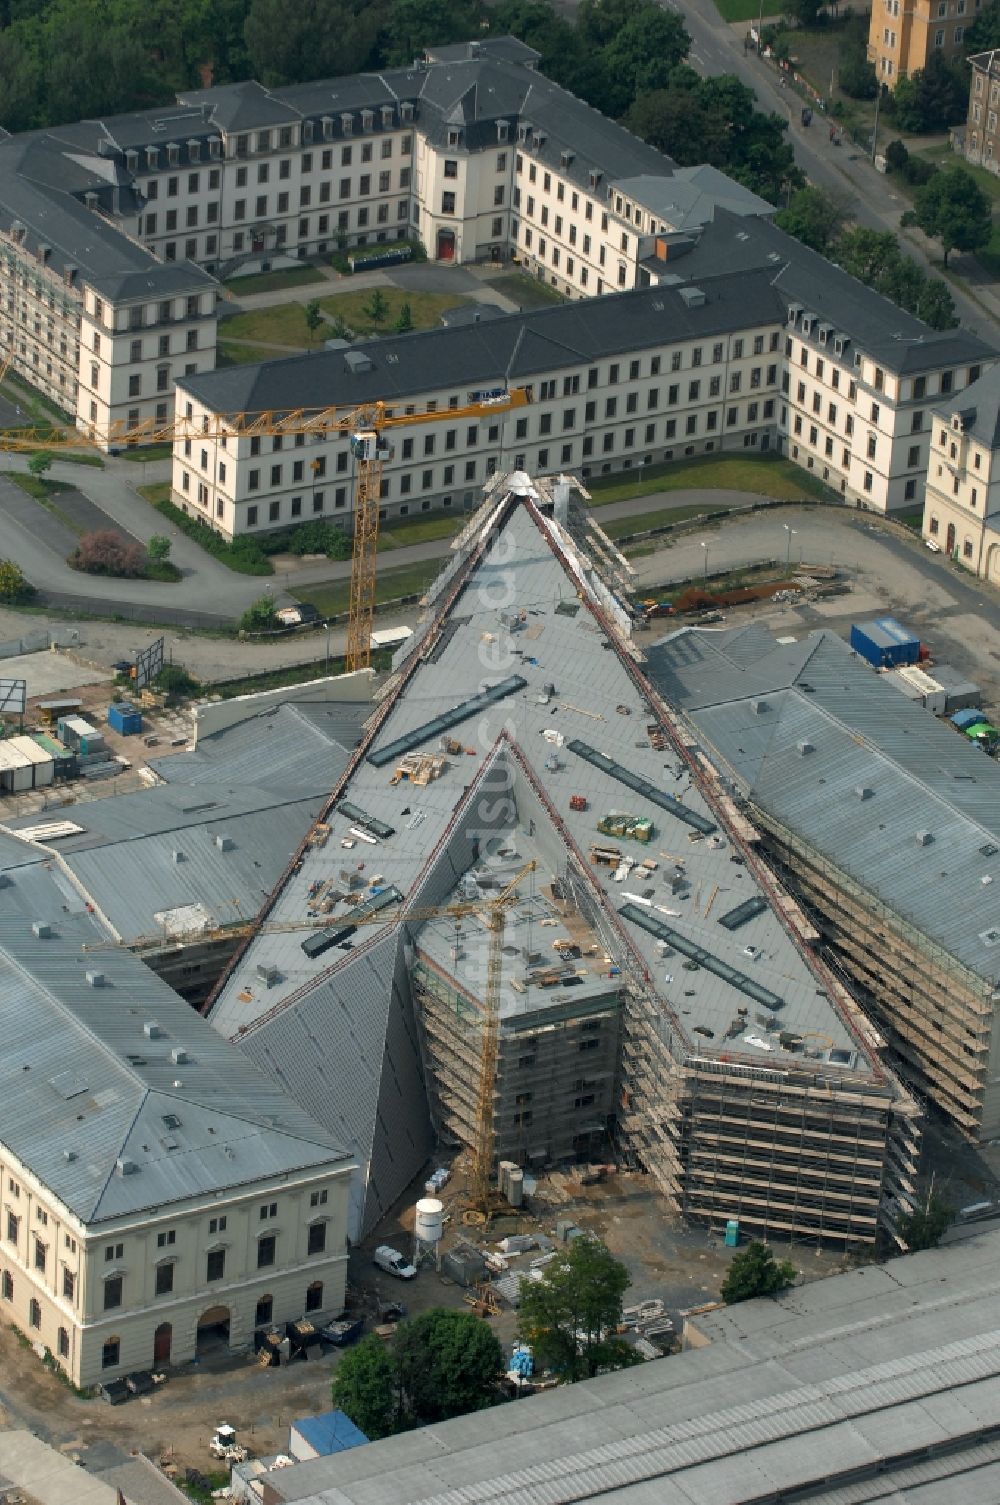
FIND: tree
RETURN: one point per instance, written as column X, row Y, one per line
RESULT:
column 377, row 307
column 713, row 120
column 175, row 680
column 13, row 586
column 570, row 1315
column 404, row 321
column 40, row 463
column 924, row 1226
column 313, row 39
column 906, row 110
column 813, row 217
column 936, row 306
column 806, row 12
column 942, row 92
column 855, row 73
column 365, row 1388
column 984, row 33
column 314, row 318
column 259, row 617
column 954, row 210
column 413, row 25
column 447, row 1363
column 106, row 552
column 158, row 547
column 756, row 1272
column 896, row 156
column 642, row 56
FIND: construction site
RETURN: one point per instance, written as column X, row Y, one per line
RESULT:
column 882, row 822
column 531, row 923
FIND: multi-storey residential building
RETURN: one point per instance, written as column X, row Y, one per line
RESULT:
column 962, row 500
column 88, row 315
column 982, row 140
column 755, row 343
column 159, row 1196
column 904, row 34
column 120, row 223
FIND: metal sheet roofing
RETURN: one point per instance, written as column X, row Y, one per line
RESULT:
column 758, row 711
column 734, row 1421
column 508, row 793
column 178, row 1104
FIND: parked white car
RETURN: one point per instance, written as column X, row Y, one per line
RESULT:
column 392, row 1262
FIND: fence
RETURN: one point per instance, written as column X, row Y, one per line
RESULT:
column 42, row 640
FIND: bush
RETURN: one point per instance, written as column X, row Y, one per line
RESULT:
column 14, row 589
column 158, row 547
column 315, row 537
column 245, row 555
column 175, row 680
column 856, row 74
column 108, row 553
column 259, row 616
column 756, row 1272
column 896, row 156
column 917, row 171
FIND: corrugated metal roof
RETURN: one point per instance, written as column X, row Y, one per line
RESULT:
column 228, row 1123
column 862, row 734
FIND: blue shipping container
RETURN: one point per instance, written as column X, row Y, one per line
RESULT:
column 125, row 720
column 885, row 643
column 965, row 718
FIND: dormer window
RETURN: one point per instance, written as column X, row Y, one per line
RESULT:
column 386, row 117
column 406, row 113
column 367, row 120
column 503, row 130
column 215, row 147
column 263, row 141
column 347, row 124
column 327, row 124
column 194, row 151
column 132, row 160
column 173, row 154
column 308, row 129
column 454, row 136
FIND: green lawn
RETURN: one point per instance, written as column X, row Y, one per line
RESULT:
column 621, row 527
column 277, row 324
column 144, row 452
column 158, row 492
column 420, row 530
column 273, row 282
column 527, row 292
column 774, row 477
column 943, row 156
column 425, row 308
column 245, row 355
column 738, row 10
column 36, row 486
column 331, row 600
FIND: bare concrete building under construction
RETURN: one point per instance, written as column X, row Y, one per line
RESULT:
column 658, row 989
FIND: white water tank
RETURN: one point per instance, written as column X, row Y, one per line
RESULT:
column 430, row 1220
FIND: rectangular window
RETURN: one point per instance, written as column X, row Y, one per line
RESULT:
column 215, row 1264
column 266, row 1251
column 113, row 1293
column 164, row 1279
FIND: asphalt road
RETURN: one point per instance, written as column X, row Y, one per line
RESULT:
column 958, row 616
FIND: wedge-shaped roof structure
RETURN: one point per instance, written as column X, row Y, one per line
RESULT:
column 519, row 725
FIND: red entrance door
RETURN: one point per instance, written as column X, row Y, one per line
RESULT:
column 446, row 245
column 950, row 544
column 161, row 1343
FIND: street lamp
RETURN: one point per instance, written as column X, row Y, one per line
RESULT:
column 705, row 547
column 788, row 544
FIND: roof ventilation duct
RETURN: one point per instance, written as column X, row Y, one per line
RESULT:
column 863, row 792
column 95, row 979
column 42, row 929
column 152, row 1030
column 805, row 748
column 924, row 838
column 125, row 1167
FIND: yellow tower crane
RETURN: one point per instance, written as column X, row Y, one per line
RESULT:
column 367, row 427
column 494, row 912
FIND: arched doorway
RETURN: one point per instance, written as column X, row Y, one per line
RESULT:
column 161, row 1343
column 446, row 245
column 213, row 1330
column 993, row 564
column 950, row 539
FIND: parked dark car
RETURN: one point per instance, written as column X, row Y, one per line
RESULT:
column 807, row 116
column 140, row 1383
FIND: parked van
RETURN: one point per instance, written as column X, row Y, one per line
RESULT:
column 393, row 1263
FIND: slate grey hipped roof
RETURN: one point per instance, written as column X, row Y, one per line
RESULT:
column 757, row 702
column 114, row 1092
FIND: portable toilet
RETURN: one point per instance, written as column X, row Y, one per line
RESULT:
column 732, row 1233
